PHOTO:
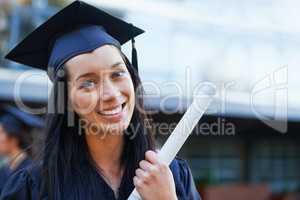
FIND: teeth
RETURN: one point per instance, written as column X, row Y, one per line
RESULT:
column 113, row 111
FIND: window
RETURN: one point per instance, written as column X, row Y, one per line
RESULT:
column 276, row 162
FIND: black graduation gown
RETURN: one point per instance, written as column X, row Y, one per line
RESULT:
column 5, row 172
column 26, row 184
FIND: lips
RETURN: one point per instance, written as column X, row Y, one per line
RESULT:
column 112, row 111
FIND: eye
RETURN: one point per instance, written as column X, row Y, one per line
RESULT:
column 118, row 74
column 87, row 84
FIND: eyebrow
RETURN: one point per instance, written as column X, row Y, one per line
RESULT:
column 91, row 73
column 116, row 64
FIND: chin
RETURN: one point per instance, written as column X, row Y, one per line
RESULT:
column 102, row 128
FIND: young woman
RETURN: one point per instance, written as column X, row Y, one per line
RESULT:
column 97, row 146
column 15, row 140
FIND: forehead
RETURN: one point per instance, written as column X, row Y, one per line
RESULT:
column 100, row 59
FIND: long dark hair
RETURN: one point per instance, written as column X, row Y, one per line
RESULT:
column 66, row 149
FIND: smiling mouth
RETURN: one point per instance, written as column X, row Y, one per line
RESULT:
column 111, row 112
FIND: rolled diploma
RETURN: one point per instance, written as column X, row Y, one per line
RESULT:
column 181, row 132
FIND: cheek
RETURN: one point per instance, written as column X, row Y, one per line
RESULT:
column 129, row 92
column 132, row 98
column 83, row 102
column 127, row 89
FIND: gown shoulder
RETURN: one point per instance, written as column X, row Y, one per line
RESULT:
column 4, row 174
column 23, row 184
column 184, row 182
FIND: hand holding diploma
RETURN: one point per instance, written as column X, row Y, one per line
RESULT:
column 154, row 179
column 177, row 138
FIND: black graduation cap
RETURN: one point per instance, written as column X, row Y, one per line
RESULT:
column 76, row 29
column 14, row 120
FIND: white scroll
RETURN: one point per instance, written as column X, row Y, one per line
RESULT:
column 183, row 129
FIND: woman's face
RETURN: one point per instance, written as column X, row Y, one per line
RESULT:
column 101, row 90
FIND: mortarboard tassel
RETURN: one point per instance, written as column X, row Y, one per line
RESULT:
column 134, row 58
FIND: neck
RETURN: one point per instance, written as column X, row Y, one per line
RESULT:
column 106, row 151
column 14, row 153
column 16, row 157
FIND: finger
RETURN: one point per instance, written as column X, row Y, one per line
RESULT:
column 142, row 175
column 139, row 173
column 152, row 157
column 145, row 165
column 138, row 183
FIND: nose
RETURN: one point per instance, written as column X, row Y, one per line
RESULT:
column 108, row 91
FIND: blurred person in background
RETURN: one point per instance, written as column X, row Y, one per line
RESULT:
column 15, row 140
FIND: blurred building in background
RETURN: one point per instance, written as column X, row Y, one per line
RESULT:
column 247, row 146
